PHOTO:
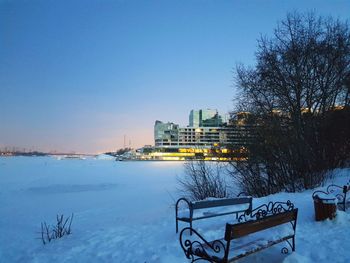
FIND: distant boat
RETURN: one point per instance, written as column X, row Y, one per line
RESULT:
column 120, row 158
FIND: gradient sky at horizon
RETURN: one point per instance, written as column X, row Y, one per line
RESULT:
column 78, row 75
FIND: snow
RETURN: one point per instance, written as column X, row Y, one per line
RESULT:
column 105, row 157
column 185, row 212
column 326, row 198
column 124, row 212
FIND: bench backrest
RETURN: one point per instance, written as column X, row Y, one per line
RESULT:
column 221, row 202
column 234, row 231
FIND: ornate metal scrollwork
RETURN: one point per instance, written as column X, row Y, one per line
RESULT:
column 332, row 189
column 264, row 210
column 201, row 250
column 335, row 190
column 339, row 192
column 284, row 250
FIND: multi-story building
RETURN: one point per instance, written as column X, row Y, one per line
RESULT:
column 207, row 137
column 165, row 132
column 204, row 118
column 194, row 118
column 205, row 129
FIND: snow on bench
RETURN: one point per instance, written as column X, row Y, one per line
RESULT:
column 210, row 208
column 261, row 228
column 335, row 194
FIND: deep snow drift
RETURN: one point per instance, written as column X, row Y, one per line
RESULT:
column 124, row 212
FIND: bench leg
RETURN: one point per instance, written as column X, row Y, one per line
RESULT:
column 293, row 243
column 177, row 226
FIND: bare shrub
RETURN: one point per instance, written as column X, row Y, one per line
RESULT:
column 202, row 180
column 62, row 228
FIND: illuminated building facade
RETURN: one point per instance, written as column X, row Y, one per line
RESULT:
column 206, row 137
column 205, row 130
column 200, row 137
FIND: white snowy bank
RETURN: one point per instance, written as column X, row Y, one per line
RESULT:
column 124, row 212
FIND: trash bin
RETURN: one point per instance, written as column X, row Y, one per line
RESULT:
column 325, row 207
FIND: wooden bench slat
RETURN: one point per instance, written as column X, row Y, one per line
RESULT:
column 217, row 214
column 185, row 216
column 207, row 204
column 257, row 249
column 248, row 248
column 221, row 202
column 239, row 230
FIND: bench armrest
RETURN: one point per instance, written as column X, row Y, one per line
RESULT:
column 196, row 247
column 183, row 200
column 242, row 194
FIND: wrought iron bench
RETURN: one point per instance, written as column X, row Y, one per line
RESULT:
column 258, row 229
column 339, row 192
column 237, row 205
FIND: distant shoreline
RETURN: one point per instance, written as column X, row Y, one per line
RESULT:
column 40, row 154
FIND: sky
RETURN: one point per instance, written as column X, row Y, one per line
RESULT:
column 82, row 75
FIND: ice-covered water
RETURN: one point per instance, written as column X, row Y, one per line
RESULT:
column 100, row 193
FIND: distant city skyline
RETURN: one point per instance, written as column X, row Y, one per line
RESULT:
column 78, row 76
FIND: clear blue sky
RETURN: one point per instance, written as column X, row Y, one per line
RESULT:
column 78, row 75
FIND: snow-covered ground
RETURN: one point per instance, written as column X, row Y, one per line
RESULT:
column 124, row 212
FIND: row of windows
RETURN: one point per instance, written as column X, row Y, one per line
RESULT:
column 201, row 139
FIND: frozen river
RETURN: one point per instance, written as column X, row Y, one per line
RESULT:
column 104, row 195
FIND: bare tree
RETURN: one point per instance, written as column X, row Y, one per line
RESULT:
column 301, row 78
